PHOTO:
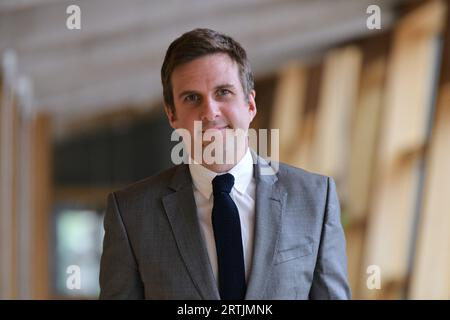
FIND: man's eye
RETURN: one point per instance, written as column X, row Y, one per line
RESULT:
column 191, row 98
column 223, row 92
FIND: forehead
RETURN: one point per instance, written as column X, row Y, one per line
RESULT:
column 205, row 72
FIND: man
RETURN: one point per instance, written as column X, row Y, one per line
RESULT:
column 218, row 229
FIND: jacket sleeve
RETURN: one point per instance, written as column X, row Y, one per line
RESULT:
column 119, row 275
column 330, row 274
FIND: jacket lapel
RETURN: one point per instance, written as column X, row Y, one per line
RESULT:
column 182, row 214
column 268, row 212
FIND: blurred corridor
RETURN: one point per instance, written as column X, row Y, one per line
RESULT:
column 81, row 115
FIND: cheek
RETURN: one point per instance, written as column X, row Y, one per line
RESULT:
column 186, row 119
column 239, row 118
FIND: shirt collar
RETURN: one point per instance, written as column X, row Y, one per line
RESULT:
column 242, row 172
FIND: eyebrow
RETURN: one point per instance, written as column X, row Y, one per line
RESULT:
column 225, row 86
column 222, row 86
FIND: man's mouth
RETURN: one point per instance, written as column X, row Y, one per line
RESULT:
column 220, row 128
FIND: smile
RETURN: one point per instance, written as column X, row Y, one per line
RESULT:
column 217, row 128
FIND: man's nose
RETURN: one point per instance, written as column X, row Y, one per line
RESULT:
column 210, row 110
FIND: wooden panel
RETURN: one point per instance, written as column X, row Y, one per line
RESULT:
column 404, row 134
column 3, row 218
column 301, row 155
column 431, row 277
column 431, row 272
column 337, row 100
column 363, row 143
column 354, row 236
column 265, row 89
column 41, row 199
column 15, row 198
column 288, row 108
column 8, row 173
column 364, row 138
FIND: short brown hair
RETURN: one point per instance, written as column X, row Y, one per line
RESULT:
column 195, row 44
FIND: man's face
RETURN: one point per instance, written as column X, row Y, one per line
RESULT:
column 208, row 89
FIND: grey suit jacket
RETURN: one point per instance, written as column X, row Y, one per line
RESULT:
column 154, row 249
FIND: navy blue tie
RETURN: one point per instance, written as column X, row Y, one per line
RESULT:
column 227, row 233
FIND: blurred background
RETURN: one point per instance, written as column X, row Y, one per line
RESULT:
column 81, row 115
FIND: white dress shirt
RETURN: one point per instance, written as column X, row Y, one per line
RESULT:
column 242, row 193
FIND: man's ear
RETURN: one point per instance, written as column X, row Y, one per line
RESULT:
column 252, row 104
column 170, row 115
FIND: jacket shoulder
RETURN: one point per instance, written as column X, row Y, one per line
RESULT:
column 289, row 174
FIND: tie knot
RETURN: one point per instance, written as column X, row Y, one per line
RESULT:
column 223, row 183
